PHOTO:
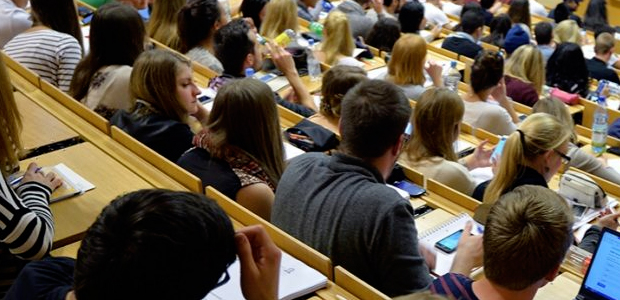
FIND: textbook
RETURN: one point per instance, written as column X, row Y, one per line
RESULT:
column 296, row 279
column 72, row 183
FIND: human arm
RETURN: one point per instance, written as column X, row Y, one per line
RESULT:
column 591, row 164
column 468, row 252
column 592, row 235
column 434, row 70
column 480, row 158
column 497, row 5
column 69, row 55
column 258, row 198
column 499, row 94
column 260, row 263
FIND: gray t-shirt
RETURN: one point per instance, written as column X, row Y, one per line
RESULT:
column 341, row 206
column 205, row 58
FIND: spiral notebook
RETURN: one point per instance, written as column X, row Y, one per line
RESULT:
column 428, row 238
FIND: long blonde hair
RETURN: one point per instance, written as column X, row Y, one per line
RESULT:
column 338, row 39
column 279, row 16
column 567, row 31
column 538, row 134
column 10, row 125
column 406, row 65
column 557, row 109
column 527, row 64
column 436, row 120
column 162, row 25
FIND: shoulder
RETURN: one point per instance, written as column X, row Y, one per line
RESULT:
column 50, row 278
column 453, row 285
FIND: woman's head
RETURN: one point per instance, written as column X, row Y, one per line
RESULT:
column 567, row 31
column 162, row 24
column 557, row 109
column 280, row 15
column 198, row 21
column 338, row 39
column 540, row 143
column 499, row 28
column 10, row 147
column 527, row 64
column 336, row 83
column 384, row 34
column 164, row 80
column 596, row 15
column 487, row 71
column 519, row 12
column 406, row 66
column 245, row 116
column 567, row 69
column 59, row 15
column 254, row 9
column 435, row 120
column 411, row 17
column 107, row 46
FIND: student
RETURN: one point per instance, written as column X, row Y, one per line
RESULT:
column 499, row 28
column 566, row 10
column 596, row 15
column 567, row 69
column 52, row 46
column 434, row 15
column 156, row 244
column 489, row 9
column 255, row 10
column 391, row 9
column 465, row 42
column 525, row 75
column 597, row 65
column 337, row 46
column 579, row 158
column 544, row 39
column 237, row 49
column 567, row 31
column 14, row 19
column 431, row 150
column 515, row 38
column 337, row 81
column 532, row 155
column 487, row 81
column 165, row 96
column 519, row 13
column 279, row 16
column 101, row 79
column 412, row 20
column 198, row 21
column 384, row 34
column 526, row 236
column 355, row 11
column 303, row 10
column 340, row 190
column 240, row 150
column 162, row 25
column 407, row 66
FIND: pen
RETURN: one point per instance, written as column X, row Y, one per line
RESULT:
column 18, row 179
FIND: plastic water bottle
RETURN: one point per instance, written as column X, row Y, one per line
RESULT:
column 599, row 127
column 284, row 38
column 451, row 80
column 327, row 6
column 316, row 28
column 314, row 67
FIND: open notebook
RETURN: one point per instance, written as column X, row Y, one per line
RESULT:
column 72, row 183
column 296, row 279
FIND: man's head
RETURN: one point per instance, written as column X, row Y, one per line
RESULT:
column 236, row 47
column 373, row 117
column 526, row 236
column 155, row 244
column 544, row 33
column 572, row 4
column 393, row 6
column 472, row 23
column 604, row 46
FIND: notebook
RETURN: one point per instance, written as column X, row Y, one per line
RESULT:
column 72, row 183
column 296, row 279
column 602, row 280
column 428, row 238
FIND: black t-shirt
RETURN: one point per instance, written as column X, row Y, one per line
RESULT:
column 48, row 279
column 212, row 171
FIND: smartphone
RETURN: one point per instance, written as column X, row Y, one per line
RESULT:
column 413, row 189
column 449, row 243
column 86, row 20
column 267, row 77
column 579, row 210
column 614, row 150
column 497, row 153
column 84, row 11
column 421, row 210
column 408, row 131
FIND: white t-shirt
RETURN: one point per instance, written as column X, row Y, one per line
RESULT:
column 13, row 21
column 537, row 9
column 350, row 61
column 452, row 8
column 488, row 116
column 434, row 15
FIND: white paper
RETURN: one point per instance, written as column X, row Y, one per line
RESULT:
column 291, row 151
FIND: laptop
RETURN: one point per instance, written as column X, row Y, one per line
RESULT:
column 602, row 281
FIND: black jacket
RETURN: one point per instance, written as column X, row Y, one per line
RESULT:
column 598, row 70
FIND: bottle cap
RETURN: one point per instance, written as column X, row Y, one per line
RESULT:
column 453, row 64
column 249, row 72
column 311, row 42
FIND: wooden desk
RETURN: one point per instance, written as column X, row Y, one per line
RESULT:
column 73, row 216
column 565, row 286
column 436, row 57
column 40, row 128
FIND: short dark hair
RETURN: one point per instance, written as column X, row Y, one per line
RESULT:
column 486, row 4
column 543, row 32
column 487, row 70
column 232, row 45
column 195, row 22
column 155, row 244
column 251, row 9
column 410, row 17
column 387, row 2
column 471, row 21
column 561, row 12
column 384, row 34
column 373, row 117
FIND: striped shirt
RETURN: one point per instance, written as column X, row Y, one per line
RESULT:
column 51, row 54
column 454, row 286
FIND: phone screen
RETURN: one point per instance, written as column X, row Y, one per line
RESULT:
column 579, row 210
column 497, row 153
column 413, row 189
column 449, row 243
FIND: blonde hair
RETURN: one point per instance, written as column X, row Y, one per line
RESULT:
column 279, row 16
column 406, row 65
column 527, row 64
column 162, row 25
column 435, row 120
column 538, row 134
column 567, row 31
column 559, row 110
column 10, row 125
column 338, row 39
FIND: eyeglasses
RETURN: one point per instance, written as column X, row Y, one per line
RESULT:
column 223, row 280
column 565, row 158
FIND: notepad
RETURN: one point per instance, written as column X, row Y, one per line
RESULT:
column 428, row 238
column 296, row 279
column 72, row 185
